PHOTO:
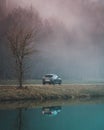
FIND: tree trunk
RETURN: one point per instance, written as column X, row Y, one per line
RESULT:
column 20, row 75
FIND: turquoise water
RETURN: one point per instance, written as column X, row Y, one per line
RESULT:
column 75, row 117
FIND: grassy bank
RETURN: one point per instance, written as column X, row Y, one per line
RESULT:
column 50, row 92
column 39, row 81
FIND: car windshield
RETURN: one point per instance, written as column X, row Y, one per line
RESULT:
column 48, row 75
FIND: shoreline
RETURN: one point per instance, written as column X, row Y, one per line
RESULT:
column 29, row 104
column 47, row 95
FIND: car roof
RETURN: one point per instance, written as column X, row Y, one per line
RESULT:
column 50, row 74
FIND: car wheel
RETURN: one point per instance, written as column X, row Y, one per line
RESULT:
column 60, row 82
column 43, row 83
column 53, row 82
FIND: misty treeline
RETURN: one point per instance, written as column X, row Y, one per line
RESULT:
column 20, row 30
column 72, row 52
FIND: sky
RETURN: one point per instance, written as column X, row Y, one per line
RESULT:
column 63, row 10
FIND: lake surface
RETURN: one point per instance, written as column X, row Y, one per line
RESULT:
column 73, row 117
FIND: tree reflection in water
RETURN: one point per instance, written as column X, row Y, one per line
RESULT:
column 19, row 120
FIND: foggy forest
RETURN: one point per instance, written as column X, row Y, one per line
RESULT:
column 70, row 42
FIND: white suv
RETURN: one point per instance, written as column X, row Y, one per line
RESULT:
column 51, row 79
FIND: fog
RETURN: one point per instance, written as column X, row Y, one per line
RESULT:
column 74, row 46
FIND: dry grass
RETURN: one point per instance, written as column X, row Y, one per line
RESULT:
column 49, row 92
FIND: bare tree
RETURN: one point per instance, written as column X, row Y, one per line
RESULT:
column 22, row 32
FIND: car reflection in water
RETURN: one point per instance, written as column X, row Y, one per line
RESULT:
column 51, row 111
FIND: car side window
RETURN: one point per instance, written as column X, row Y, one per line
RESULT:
column 55, row 76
